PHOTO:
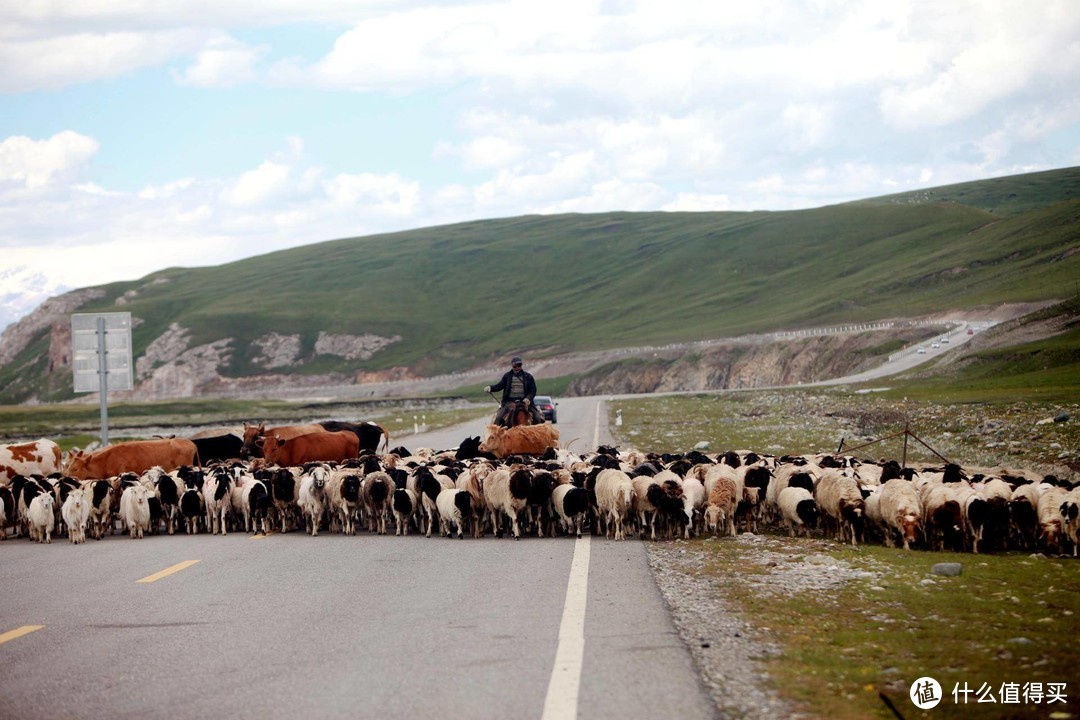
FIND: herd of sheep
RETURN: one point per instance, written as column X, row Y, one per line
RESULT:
column 608, row 492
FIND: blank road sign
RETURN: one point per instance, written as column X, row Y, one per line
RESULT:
column 84, row 344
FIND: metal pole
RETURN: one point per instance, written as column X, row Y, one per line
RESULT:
column 907, row 433
column 103, row 381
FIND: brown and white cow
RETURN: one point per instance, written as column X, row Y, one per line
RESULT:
column 41, row 457
column 136, row 456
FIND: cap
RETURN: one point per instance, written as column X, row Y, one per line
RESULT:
column 516, row 360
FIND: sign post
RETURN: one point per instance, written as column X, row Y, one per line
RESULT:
column 101, row 357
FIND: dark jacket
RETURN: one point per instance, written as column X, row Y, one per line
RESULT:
column 504, row 385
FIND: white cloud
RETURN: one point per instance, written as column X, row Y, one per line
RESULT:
column 37, row 163
column 526, row 107
column 224, row 62
column 384, row 194
column 257, row 186
column 59, row 60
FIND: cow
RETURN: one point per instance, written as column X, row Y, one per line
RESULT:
column 368, row 433
column 219, row 447
column 136, row 456
column 254, row 435
column 520, row 440
column 313, row 447
column 41, row 457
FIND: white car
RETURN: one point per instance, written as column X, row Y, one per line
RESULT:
column 922, row 351
column 935, row 345
column 944, row 339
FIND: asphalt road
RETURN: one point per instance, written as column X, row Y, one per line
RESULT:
column 291, row 626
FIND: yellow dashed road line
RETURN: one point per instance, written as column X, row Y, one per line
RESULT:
column 19, row 632
column 167, row 571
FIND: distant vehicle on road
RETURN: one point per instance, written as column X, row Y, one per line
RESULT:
column 546, row 406
column 922, row 351
column 935, row 345
column 944, row 339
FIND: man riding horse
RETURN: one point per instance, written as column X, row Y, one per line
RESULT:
column 517, row 386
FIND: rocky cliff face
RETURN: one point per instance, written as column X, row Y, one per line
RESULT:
column 171, row 367
column 53, row 312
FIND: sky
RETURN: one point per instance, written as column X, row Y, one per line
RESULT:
column 137, row 135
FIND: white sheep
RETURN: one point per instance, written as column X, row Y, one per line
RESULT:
column 472, row 481
column 312, row 497
column 217, row 499
column 404, row 505
column 782, row 478
column 944, row 512
column 40, row 518
column 840, row 503
column 900, row 511
column 1051, row 521
column 614, row 499
column 506, row 492
column 135, row 510
column 571, row 503
column 693, row 504
column 75, row 512
column 797, row 509
column 1024, row 515
column 378, row 493
column 256, row 502
column 454, row 506
column 988, row 513
column 428, row 485
column 344, row 496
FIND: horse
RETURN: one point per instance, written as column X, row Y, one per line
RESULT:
column 518, row 415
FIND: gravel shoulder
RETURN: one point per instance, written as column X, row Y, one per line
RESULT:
column 729, row 652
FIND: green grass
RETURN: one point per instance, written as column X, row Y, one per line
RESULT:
column 798, row 421
column 879, row 634
column 606, row 280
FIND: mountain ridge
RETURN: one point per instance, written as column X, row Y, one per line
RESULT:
column 455, row 297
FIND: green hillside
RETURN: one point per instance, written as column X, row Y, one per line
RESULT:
column 467, row 293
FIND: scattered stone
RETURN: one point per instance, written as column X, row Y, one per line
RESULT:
column 947, row 569
column 702, row 446
column 1061, row 417
column 1019, row 641
column 731, row 660
column 927, row 581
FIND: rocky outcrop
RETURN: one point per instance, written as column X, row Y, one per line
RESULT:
column 52, row 312
column 352, row 347
column 187, row 375
column 276, row 350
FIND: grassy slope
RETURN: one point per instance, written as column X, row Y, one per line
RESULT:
column 595, row 281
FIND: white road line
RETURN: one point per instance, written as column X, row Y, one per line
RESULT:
column 562, row 694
